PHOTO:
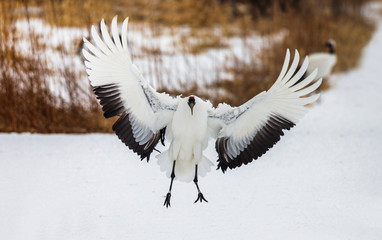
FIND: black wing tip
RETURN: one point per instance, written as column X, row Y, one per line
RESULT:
column 123, row 129
column 112, row 105
column 110, row 99
column 223, row 167
column 264, row 139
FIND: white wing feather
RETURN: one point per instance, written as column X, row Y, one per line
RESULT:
column 123, row 91
column 283, row 104
column 109, row 62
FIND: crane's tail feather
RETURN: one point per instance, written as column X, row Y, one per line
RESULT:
column 184, row 171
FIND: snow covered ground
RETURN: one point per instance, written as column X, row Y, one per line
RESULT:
column 323, row 180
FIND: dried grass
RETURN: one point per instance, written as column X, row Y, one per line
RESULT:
column 308, row 29
column 28, row 104
column 26, row 100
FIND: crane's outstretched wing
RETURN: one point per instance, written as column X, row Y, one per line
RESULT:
column 122, row 91
column 246, row 132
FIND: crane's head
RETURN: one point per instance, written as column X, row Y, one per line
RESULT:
column 191, row 103
column 331, row 44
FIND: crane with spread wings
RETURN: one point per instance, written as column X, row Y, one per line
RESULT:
column 242, row 133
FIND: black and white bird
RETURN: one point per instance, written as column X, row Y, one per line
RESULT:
column 323, row 61
column 146, row 117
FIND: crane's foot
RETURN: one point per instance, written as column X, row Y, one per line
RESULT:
column 167, row 200
column 200, row 198
column 168, row 196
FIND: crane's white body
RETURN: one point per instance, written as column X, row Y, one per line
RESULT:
column 187, row 141
column 242, row 133
column 323, row 62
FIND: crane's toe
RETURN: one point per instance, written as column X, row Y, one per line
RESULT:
column 167, row 200
column 200, row 198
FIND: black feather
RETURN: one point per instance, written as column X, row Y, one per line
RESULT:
column 264, row 139
column 112, row 105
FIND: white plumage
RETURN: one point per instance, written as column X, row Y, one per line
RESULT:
column 146, row 117
column 323, row 61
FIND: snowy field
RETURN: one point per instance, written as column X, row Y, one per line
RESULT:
column 323, row 180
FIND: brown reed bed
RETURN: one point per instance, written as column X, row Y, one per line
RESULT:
column 27, row 102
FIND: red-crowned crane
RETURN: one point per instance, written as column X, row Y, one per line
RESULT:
column 146, row 117
column 323, row 61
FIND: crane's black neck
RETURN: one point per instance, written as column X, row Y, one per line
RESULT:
column 331, row 47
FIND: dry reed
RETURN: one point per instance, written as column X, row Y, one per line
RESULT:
column 27, row 102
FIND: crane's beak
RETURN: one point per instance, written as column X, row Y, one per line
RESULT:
column 191, row 105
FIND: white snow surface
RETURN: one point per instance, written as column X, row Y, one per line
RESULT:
column 323, row 180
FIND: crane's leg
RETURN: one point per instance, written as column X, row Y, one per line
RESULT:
column 200, row 194
column 168, row 196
